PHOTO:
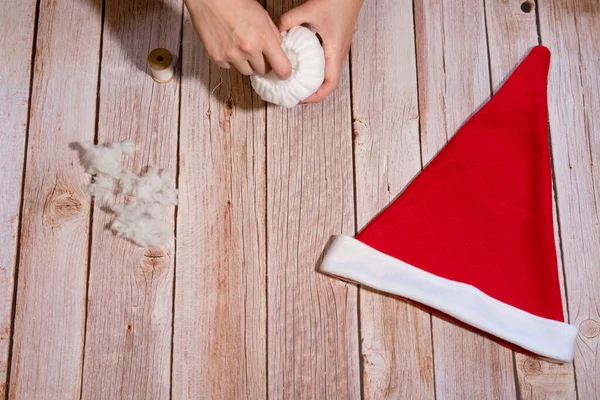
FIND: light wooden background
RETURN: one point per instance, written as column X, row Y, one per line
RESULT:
column 236, row 310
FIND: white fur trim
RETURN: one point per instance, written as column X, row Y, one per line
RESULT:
column 351, row 259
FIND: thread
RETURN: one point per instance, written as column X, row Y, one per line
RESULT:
column 160, row 62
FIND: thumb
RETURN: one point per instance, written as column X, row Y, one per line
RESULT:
column 296, row 16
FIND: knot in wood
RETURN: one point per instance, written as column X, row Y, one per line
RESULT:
column 359, row 129
column 375, row 359
column 532, row 366
column 589, row 328
column 62, row 206
column 229, row 108
column 4, row 333
column 154, row 260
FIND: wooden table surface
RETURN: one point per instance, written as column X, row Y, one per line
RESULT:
column 235, row 308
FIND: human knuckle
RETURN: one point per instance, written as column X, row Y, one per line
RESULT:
column 231, row 54
column 285, row 18
column 248, row 45
column 216, row 56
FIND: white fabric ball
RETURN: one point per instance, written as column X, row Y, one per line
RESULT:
column 306, row 55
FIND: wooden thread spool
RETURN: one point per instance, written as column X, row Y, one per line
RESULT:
column 161, row 63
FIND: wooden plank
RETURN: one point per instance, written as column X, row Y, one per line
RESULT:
column 220, row 305
column 516, row 20
column 312, row 319
column 130, row 290
column 312, row 329
column 16, row 39
column 569, row 29
column 454, row 81
column 50, row 307
column 396, row 336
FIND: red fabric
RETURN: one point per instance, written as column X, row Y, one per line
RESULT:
column 481, row 212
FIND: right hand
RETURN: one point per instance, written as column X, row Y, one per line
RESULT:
column 239, row 33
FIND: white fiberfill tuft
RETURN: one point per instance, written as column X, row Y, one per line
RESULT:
column 140, row 218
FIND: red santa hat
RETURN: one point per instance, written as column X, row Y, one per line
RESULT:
column 472, row 236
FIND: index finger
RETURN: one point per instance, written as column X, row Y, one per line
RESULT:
column 278, row 60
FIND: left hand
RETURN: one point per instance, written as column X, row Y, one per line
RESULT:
column 334, row 21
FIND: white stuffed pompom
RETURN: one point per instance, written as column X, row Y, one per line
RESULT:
column 306, row 55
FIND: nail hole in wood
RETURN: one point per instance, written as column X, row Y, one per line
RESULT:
column 159, row 58
column 526, row 7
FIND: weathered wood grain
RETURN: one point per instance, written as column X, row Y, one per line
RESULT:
column 231, row 219
column 16, row 39
column 50, row 306
column 130, row 289
column 396, row 336
column 454, row 81
column 220, row 304
column 312, row 318
column 512, row 32
column 570, row 29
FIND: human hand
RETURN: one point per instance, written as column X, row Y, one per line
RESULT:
column 239, row 33
column 334, row 21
